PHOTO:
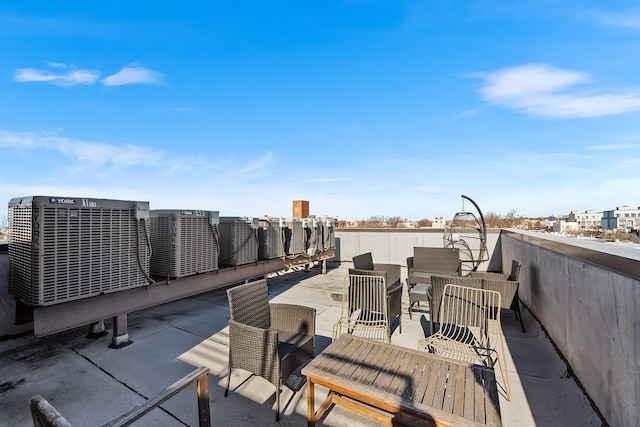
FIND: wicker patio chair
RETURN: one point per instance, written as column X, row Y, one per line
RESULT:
column 507, row 285
column 364, row 310
column 424, row 263
column 269, row 340
column 470, row 329
column 363, row 264
column 436, row 291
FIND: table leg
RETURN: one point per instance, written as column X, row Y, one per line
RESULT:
column 311, row 411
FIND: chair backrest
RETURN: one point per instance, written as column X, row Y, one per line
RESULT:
column 382, row 273
column 363, row 261
column 438, row 284
column 469, row 313
column 365, row 293
column 436, row 260
column 515, row 270
column 507, row 289
column 249, row 304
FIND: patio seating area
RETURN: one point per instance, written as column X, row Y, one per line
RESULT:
column 90, row 384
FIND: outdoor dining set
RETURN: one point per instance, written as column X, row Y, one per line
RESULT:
column 449, row 379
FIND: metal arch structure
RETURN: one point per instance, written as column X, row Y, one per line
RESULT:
column 468, row 232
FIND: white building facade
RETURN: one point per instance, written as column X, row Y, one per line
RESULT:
column 587, row 220
column 564, row 227
column 621, row 218
column 439, row 222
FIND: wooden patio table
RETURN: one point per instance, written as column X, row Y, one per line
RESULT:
column 400, row 386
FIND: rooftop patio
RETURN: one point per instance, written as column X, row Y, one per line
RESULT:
column 91, row 384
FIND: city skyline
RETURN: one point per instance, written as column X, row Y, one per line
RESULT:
column 364, row 108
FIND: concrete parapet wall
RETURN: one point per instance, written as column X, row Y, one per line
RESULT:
column 395, row 245
column 591, row 312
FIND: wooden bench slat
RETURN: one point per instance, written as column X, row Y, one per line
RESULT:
column 420, row 395
column 375, row 372
column 411, row 365
column 469, row 390
column 459, row 395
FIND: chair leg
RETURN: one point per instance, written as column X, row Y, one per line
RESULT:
column 515, row 306
column 278, row 403
column 519, row 316
column 226, row 390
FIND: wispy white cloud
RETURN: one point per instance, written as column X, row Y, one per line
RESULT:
column 607, row 147
column 543, row 90
column 55, row 64
column 133, row 74
column 257, row 167
column 23, row 140
column 629, row 19
column 65, row 75
column 91, row 153
column 113, row 159
column 62, row 75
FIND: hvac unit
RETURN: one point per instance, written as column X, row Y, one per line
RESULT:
column 184, row 242
column 238, row 241
column 63, row 249
column 295, row 237
column 271, row 238
column 313, row 233
column 328, row 233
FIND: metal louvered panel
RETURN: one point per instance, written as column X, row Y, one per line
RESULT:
column 312, row 235
column 318, row 233
column 184, row 242
column 162, row 235
column 238, row 240
column 63, row 249
column 328, row 233
column 295, row 237
column 22, row 268
column 271, row 238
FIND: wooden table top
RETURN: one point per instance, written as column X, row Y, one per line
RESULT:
column 401, row 380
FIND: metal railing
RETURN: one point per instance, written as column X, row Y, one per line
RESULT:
column 45, row 415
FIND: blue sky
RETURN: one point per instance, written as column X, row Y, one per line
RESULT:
column 361, row 107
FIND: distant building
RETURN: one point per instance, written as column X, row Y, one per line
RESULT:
column 565, row 226
column 300, row 208
column 587, row 220
column 621, row 218
column 439, row 222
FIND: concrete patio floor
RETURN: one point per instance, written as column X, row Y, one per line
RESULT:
column 91, row 384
